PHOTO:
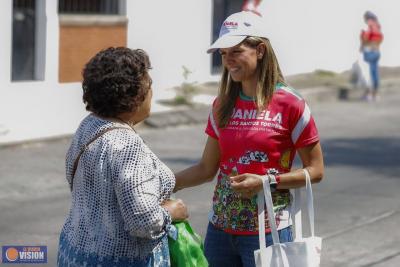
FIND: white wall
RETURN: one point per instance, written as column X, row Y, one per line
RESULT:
column 173, row 33
column 37, row 109
column 322, row 34
column 5, row 65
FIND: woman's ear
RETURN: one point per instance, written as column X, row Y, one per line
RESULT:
column 260, row 49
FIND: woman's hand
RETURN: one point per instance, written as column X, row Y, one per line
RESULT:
column 176, row 208
column 247, row 184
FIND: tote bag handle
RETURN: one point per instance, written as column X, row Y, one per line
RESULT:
column 265, row 197
column 298, row 201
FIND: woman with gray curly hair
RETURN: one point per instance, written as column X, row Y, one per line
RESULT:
column 120, row 211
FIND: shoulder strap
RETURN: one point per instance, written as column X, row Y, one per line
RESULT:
column 83, row 149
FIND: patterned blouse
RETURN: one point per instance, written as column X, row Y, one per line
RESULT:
column 115, row 218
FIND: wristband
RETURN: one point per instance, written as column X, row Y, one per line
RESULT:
column 278, row 178
column 272, row 182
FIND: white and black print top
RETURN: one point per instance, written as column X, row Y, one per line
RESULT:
column 118, row 189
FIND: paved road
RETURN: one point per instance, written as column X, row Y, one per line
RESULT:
column 357, row 205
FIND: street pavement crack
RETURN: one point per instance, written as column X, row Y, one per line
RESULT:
column 373, row 220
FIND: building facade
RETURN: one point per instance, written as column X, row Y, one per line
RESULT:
column 45, row 44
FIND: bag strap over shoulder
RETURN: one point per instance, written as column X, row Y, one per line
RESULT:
column 83, row 149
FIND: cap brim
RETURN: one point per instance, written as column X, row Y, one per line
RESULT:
column 225, row 42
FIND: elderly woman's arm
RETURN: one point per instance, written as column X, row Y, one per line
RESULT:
column 202, row 172
column 138, row 193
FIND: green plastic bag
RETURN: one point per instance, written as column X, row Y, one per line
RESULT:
column 186, row 247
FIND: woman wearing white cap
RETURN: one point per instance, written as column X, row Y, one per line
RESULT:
column 256, row 126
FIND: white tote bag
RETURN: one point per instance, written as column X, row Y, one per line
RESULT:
column 302, row 252
column 360, row 73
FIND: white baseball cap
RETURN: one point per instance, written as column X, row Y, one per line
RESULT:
column 236, row 28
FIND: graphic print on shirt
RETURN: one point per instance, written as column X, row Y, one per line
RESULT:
column 231, row 210
column 256, row 156
column 285, row 159
column 251, row 119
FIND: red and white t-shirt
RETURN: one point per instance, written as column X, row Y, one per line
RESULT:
column 373, row 32
column 258, row 142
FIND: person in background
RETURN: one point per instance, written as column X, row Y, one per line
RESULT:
column 371, row 38
column 256, row 126
column 120, row 212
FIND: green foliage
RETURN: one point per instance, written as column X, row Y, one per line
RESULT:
column 325, row 73
column 186, row 91
column 186, row 72
column 180, row 100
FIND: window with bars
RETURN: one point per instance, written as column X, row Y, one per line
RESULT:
column 28, row 40
column 28, row 4
column 90, row 7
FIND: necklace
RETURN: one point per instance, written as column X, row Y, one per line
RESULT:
column 129, row 123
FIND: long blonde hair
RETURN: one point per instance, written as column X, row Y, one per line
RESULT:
column 269, row 75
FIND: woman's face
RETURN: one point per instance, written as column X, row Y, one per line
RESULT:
column 241, row 62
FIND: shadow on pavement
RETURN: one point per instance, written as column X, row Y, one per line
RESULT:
column 357, row 152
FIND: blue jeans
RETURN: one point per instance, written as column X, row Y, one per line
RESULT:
column 372, row 58
column 223, row 249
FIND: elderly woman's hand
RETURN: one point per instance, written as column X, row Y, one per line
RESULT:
column 247, row 184
column 176, row 208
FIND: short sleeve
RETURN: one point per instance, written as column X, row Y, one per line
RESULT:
column 137, row 189
column 212, row 127
column 304, row 131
